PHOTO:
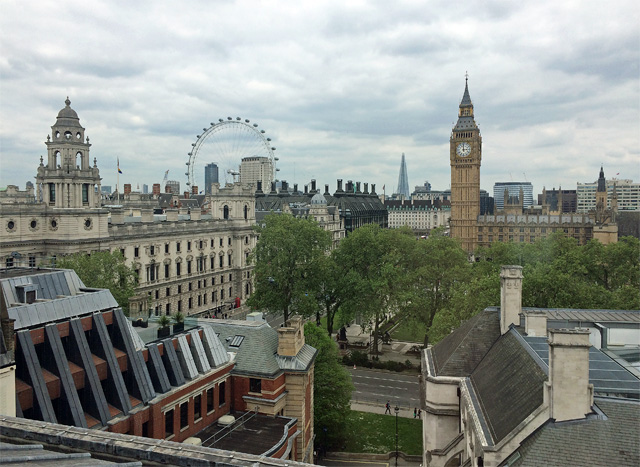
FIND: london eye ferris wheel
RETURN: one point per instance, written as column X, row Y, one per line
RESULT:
column 226, row 143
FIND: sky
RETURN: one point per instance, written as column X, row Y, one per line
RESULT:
column 342, row 88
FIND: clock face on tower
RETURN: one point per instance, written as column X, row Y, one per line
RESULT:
column 463, row 149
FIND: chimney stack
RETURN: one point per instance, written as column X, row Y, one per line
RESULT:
column 510, row 296
column 339, row 185
column 156, row 189
column 535, row 323
column 291, row 337
column 571, row 394
column 313, row 186
column 127, row 188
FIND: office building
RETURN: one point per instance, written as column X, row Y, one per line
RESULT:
column 211, row 176
column 512, row 190
column 256, row 169
column 627, row 192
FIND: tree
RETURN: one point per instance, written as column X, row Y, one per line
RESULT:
column 103, row 270
column 372, row 262
column 286, row 264
column 438, row 264
column 332, row 388
column 330, row 291
column 558, row 273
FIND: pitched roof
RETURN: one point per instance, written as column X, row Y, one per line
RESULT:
column 461, row 351
column 256, row 352
column 609, row 440
column 509, row 384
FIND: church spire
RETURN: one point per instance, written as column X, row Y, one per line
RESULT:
column 466, row 99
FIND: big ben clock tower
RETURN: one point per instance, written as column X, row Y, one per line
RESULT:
column 465, row 151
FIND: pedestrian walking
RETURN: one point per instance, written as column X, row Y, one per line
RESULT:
column 419, row 412
column 415, row 412
column 387, row 408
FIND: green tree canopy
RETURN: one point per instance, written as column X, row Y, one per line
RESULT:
column 372, row 263
column 103, row 270
column 286, row 265
column 332, row 388
column 558, row 273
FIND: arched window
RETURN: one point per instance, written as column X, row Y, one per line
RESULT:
column 226, row 212
column 246, row 211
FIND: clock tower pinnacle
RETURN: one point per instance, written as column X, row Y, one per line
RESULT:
column 465, row 152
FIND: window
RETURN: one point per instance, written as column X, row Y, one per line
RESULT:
column 222, row 397
column 229, row 241
column 166, row 248
column 189, row 246
column 190, row 302
column 136, row 252
column 85, row 193
column 204, row 298
column 221, row 261
column 167, row 291
column 213, row 262
column 229, row 260
column 178, row 247
column 167, row 309
column 222, row 294
column 210, row 400
column 32, row 261
column 197, row 407
column 188, row 267
column 168, row 423
column 178, row 272
column 152, row 250
column 212, row 243
column 230, row 277
column 190, row 286
column 225, row 214
column 220, row 241
column 52, row 192
column 179, row 306
column 184, row 415
column 199, row 300
column 157, row 294
column 246, row 212
column 179, row 289
column 166, row 271
column 255, row 385
column 201, row 244
column 213, row 296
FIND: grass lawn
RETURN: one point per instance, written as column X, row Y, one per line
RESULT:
column 409, row 331
column 376, row 434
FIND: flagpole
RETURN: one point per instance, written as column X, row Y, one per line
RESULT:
column 118, row 178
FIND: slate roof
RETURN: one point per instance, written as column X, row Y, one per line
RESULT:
column 594, row 316
column 461, row 351
column 509, row 384
column 256, row 355
column 614, row 440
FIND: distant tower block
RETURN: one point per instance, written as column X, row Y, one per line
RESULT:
column 403, row 180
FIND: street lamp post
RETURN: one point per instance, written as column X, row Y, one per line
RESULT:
column 396, row 409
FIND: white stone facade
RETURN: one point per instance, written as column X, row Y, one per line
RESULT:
column 192, row 263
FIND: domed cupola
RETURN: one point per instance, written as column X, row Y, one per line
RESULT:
column 68, row 174
column 318, row 198
column 67, row 127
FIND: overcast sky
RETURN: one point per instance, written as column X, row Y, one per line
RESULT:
column 342, row 88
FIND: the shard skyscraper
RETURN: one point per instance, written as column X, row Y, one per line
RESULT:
column 403, row 180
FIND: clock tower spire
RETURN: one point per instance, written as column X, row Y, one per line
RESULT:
column 465, row 153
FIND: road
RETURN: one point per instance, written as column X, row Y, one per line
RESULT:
column 376, row 387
